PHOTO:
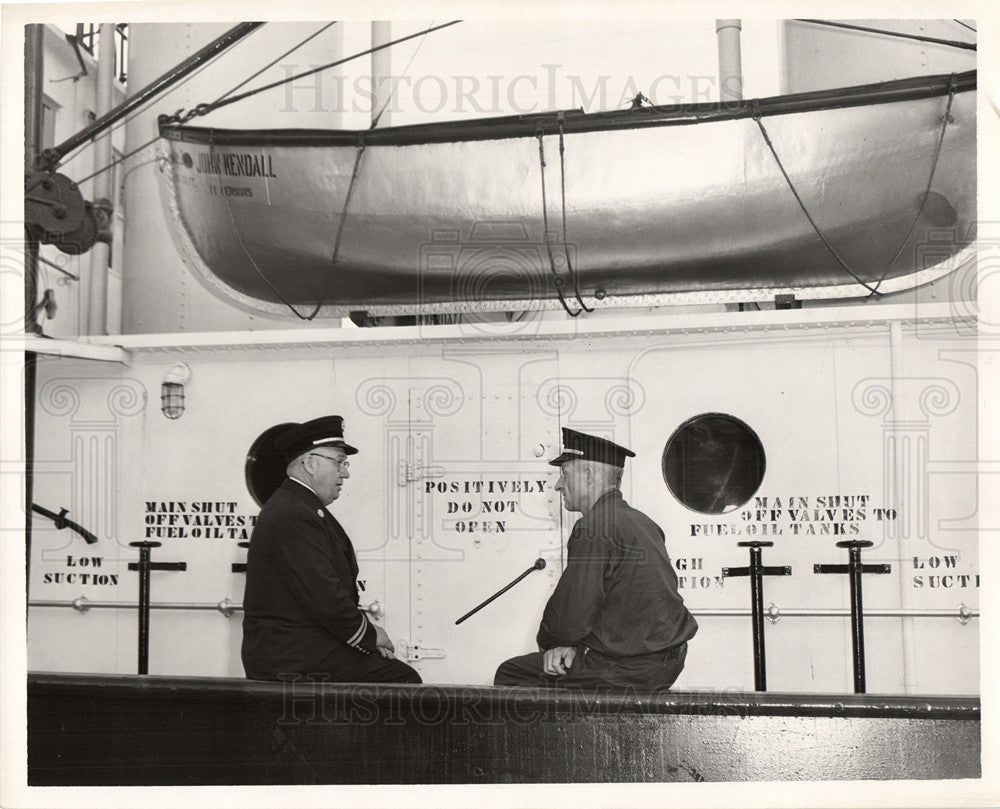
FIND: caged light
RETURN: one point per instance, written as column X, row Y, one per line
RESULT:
column 172, row 391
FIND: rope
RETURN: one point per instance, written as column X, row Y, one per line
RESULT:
column 336, row 244
column 952, row 89
column 872, row 290
column 556, row 280
column 562, row 177
column 952, row 42
column 340, row 225
column 802, row 205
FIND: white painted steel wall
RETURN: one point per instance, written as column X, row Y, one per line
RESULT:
column 818, row 57
column 446, row 405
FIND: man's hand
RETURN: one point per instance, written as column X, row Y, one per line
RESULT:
column 383, row 643
column 558, row 659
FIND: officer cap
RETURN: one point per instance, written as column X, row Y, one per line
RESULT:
column 327, row 431
column 580, row 446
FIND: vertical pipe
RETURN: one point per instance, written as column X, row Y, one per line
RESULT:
column 730, row 60
column 897, row 471
column 144, row 603
column 101, row 191
column 857, row 620
column 381, row 73
column 34, row 37
column 757, row 602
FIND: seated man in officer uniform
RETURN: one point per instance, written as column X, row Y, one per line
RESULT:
column 301, row 614
column 615, row 618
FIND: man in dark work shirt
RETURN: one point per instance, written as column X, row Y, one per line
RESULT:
column 615, row 618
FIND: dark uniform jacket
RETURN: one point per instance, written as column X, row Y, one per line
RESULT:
column 618, row 594
column 300, row 603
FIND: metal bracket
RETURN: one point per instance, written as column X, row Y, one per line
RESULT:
column 227, row 607
column 375, row 610
column 413, row 653
column 407, row 473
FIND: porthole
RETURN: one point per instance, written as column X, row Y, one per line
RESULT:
column 713, row 463
column 265, row 465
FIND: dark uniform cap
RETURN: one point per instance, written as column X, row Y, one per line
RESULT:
column 327, row 431
column 583, row 447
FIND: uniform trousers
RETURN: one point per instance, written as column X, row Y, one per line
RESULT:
column 373, row 668
column 590, row 669
column 365, row 668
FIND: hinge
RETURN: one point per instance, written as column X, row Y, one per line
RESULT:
column 407, row 473
column 413, row 653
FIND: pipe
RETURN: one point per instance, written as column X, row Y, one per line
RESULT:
column 539, row 565
column 757, row 605
column 896, row 469
column 144, row 566
column 144, row 603
column 381, row 73
column 61, row 522
column 82, row 604
column 34, row 38
column 53, row 156
column 857, row 616
column 730, row 60
column 101, row 192
column 774, row 613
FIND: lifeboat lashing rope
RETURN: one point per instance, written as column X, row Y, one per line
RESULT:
column 872, row 290
column 557, row 280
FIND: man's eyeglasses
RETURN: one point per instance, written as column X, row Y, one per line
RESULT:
column 343, row 463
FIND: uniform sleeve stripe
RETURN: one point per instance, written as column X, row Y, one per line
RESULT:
column 355, row 639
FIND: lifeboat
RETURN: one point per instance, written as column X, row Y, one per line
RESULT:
column 831, row 194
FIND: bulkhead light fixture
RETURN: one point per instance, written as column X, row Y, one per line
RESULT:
column 172, row 391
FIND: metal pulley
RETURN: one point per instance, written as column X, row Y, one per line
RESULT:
column 81, row 239
column 53, row 205
column 56, row 213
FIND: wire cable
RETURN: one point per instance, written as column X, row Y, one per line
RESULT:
column 144, row 107
column 951, row 42
column 275, row 61
column 321, row 68
column 224, row 95
column 406, row 70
